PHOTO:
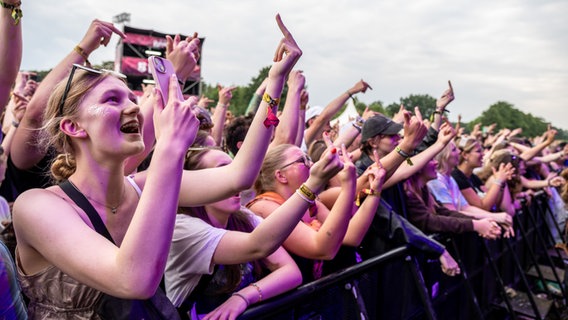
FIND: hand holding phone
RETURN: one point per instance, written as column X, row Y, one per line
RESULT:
column 162, row 70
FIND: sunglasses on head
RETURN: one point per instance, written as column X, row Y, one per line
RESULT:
column 70, row 79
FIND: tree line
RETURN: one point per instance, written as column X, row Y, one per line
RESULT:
column 503, row 114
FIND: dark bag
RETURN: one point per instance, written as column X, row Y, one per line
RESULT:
column 109, row 307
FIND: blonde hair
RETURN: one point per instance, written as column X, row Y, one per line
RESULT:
column 442, row 158
column 51, row 136
column 272, row 162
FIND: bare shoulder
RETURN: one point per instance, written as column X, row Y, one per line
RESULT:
column 36, row 198
column 40, row 208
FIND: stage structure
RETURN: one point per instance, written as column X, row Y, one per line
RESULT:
column 132, row 58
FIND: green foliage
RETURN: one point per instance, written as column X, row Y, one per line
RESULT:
column 426, row 104
column 504, row 115
column 241, row 95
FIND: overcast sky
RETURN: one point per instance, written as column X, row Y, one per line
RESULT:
column 515, row 51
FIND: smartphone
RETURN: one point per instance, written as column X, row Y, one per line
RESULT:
column 162, row 70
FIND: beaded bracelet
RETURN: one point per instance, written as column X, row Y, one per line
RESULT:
column 259, row 291
column 16, row 11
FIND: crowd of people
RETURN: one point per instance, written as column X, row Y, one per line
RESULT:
column 107, row 194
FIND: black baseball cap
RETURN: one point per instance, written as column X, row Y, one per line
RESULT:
column 379, row 124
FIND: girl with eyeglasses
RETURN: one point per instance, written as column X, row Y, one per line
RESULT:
column 223, row 257
column 316, row 241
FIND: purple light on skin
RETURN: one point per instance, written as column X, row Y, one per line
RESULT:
column 97, row 111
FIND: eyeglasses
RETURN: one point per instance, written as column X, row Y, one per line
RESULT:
column 70, row 79
column 306, row 160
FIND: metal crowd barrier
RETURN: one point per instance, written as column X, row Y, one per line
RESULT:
column 505, row 278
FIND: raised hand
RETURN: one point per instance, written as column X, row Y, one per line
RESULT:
column 225, row 94
column 414, row 130
column 504, row 173
column 446, row 133
column 287, row 53
column 360, row 86
column 99, row 33
column 399, row 116
column 21, row 103
column 177, row 121
column 204, row 102
column 376, row 174
column 446, row 98
column 326, row 168
column 349, row 172
column 183, row 54
column 296, row 80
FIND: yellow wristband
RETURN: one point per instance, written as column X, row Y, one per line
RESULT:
column 83, row 54
column 307, row 192
column 404, row 155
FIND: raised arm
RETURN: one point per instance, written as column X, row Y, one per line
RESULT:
column 237, row 247
column 317, row 127
column 25, row 150
column 183, row 54
column 10, row 51
column 534, row 151
column 256, row 97
column 414, row 132
column 304, row 99
column 494, row 190
column 441, row 104
column 220, row 113
column 242, row 172
column 288, row 129
column 134, row 268
column 361, row 221
column 406, row 170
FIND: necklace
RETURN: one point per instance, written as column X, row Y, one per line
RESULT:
column 112, row 209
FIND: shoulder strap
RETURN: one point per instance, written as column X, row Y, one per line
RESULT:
column 84, row 204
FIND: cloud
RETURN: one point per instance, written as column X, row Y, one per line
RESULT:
column 507, row 50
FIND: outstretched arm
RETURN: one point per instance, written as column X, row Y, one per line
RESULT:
column 361, row 221
column 134, row 267
column 287, row 130
column 406, row 170
column 242, row 172
column 280, row 220
column 441, row 104
column 220, row 113
column 10, row 51
column 284, row 275
column 316, row 129
column 25, row 151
